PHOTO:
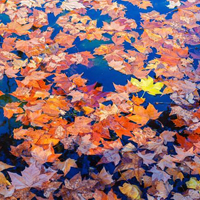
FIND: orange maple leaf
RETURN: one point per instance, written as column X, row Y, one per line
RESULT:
column 142, row 115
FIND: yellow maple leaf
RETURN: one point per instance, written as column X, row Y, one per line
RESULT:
column 3, row 180
column 131, row 191
column 193, row 183
column 147, row 85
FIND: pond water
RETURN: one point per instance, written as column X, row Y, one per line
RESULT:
column 157, row 39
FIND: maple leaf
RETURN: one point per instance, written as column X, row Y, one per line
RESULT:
column 104, row 177
column 66, row 165
column 130, row 173
column 167, row 161
column 128, row 147
column 137, row 101
column 193, row 183
column 176, row 173
column 112, row 195
column 18, row 28
column 31, row 177
column 4, row 183
column 122, row 126
column 194, row 194
column 163, row 189
column 76, row 95
column 99, row 195
column 87, row 109
column 110, row 156
column 35, row 75
column 132, row 163
column 147, row 158
column 131, row 191
column 173, row 4
column 64, row 39
column 30, row 47
column 8, row 44
column 71, row 5
column 6, row 191
column 86, row 145
column 159, row 175
column 4, row 166
column 142, row 115
column 195, row 165
column 76, row 188
column 113, row 26
column 141, row 3
column 178, row 196
column 147, row 182
column 31, row 3
column 81, row 125
column 129, row 161
column 153, row 36
column 3, row 180
column 42, row 156
column 12, row 108
column 40, row 18
column 105, row 111
column 181, row 154
column 147, row 85
column 142, row 136
column 167, row 136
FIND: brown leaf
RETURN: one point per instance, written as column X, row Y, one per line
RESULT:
column 65, row 166
column 31, row 177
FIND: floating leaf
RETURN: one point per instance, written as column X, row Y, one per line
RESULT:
column 142, row 115
column 193, row 183
column 148, row 86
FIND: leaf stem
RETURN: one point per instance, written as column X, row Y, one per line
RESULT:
column 143, row 94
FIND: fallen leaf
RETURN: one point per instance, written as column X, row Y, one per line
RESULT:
column 148, row 86
column 71, row 5
column 142, row 115
column 193, row 183
column 31, row 177
column 4, row 166
column 131, row 191
column 66, row 165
